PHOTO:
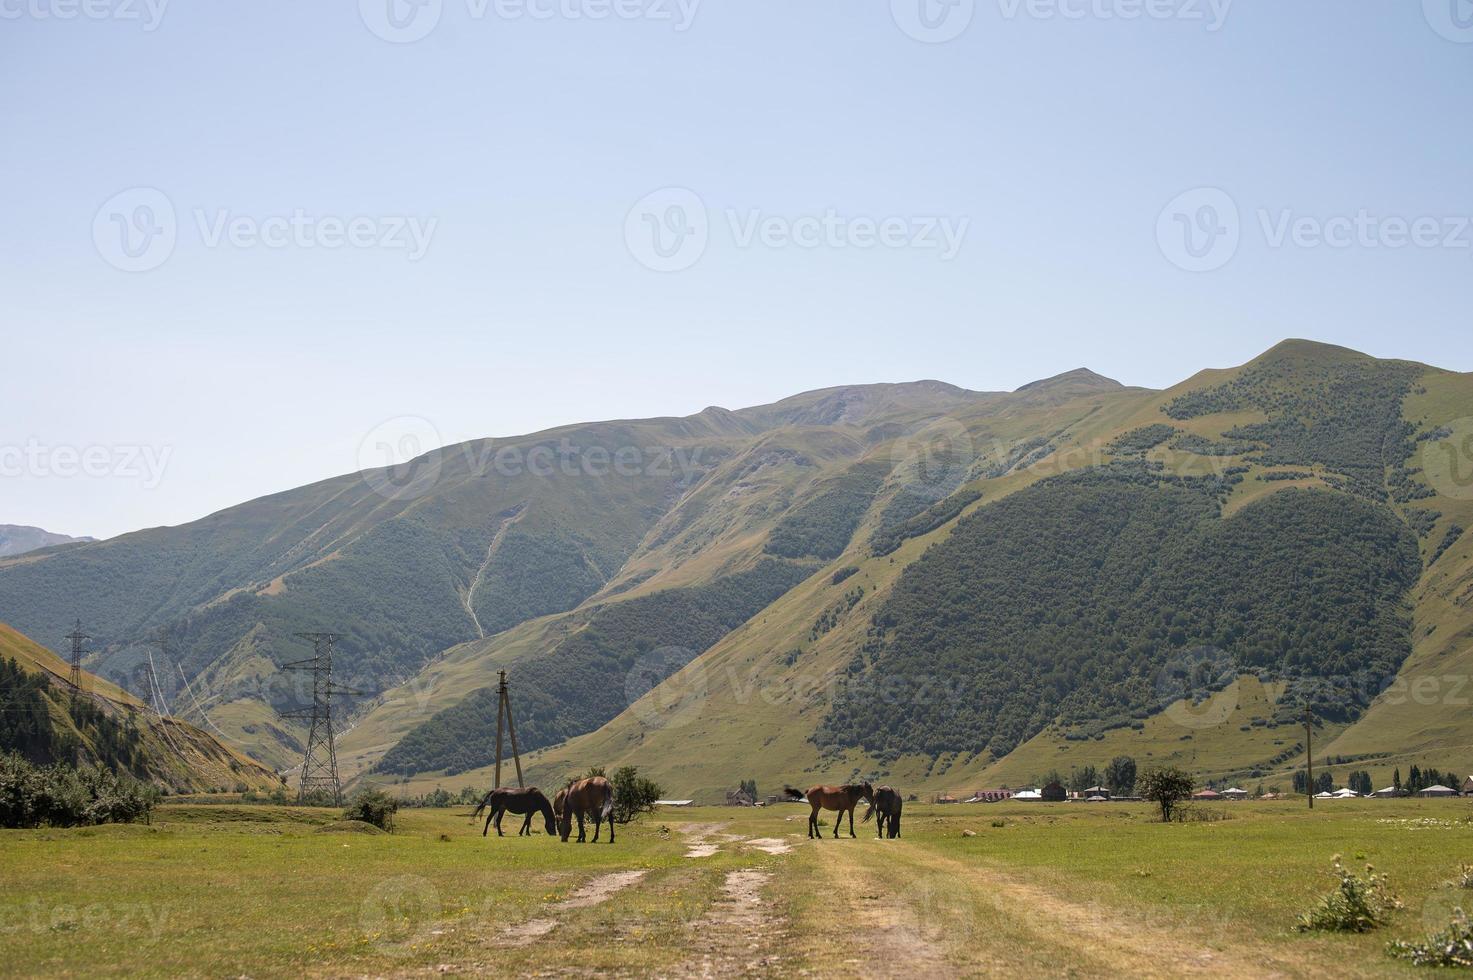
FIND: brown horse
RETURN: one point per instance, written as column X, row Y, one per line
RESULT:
column 592, row 797
column 842, row 798
column 887, row 804
column 527, row 801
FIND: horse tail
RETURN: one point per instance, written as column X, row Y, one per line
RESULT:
column 869, row 812
column 608, row 803
column 794, row 794
column 480, row 806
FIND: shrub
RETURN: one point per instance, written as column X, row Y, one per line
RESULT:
column 68, row 796
column 1359, row 904
column 373, row 806
column 633, row 794
column 1451, row 947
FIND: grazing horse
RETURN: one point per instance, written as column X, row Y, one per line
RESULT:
column 519, row 801
column 592, row 797
column 886, row 803
column 841, row 798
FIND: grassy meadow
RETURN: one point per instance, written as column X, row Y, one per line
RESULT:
column 1005, row 889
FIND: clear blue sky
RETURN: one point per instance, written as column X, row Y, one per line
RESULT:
column 1057, row 140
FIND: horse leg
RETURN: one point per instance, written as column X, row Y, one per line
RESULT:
column 526, row 830
column 851, row 822
column 582, row 835
column 836, row 824
column 598, row 824
column 813, row 830
column 489, row 817
column 611, row 828
column 499, row 814
column 894, row 825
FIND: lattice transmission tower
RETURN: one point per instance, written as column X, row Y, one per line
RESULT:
column 320, row 760
column 75, row 677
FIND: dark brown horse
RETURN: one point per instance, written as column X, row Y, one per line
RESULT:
column 841, row 798
column 592, row 797
column 887, row 804
column 527, row 801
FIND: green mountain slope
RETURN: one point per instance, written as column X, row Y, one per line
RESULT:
column 103, row 724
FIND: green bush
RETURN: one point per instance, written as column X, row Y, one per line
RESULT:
column 373, row 806
column 67, row 796
column 633, row 794
column 1166, row 786
column 1360, row 903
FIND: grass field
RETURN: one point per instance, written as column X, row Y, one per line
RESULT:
column 1072, row 889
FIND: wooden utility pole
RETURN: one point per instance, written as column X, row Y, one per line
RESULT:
column 1308, row 757
column 503, row 711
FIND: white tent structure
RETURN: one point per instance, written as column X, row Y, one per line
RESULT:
column 1390, row 792
column 1346, row 794
column 1028, row 794
column 1437, row 791
column 1234, row 793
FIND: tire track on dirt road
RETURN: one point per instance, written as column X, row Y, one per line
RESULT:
column 594, row 892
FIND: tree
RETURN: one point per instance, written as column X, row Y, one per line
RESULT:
column 1166, row 786
column 749, row 786
column 1324, row 782
column 1120, row 775
column 633, row 794
column 1396, row 781
column 1083, row 778
column 1360, row 781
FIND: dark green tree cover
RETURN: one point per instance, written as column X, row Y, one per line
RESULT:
column 1360, row 781
column 822, row 523
column 1138, row 442
column 1073, row 598
column 1345, row 415
column 934, row 478
column 833, row 615
column 884, row 541
column 1192, row 443
column 1448, row 540
column 27, row 728
column 584, row 681
column 1422, row 521
column 1281, row 476
column 843, row 574
column 25, row 719
column 535, row 573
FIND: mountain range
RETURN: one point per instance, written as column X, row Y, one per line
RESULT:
column 915, row 582
column 17, row 539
